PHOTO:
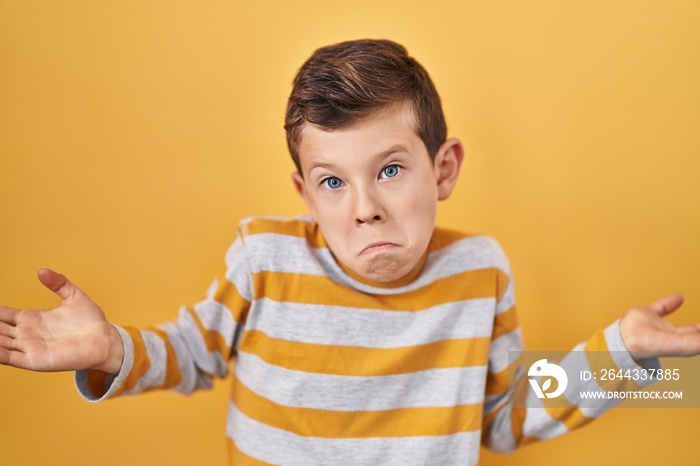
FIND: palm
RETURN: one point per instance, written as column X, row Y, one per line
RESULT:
column 72, row 336
column 647, row 334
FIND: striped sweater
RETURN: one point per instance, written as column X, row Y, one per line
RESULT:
column 328, row 369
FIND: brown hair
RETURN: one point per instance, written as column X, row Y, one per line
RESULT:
column 344, row 83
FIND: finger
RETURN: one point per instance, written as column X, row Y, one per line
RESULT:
column 688, row 344
column 4, row 356
column 667, row 304
column 8, row 343
column 7, row 330
column 13, row 358
column 57, row 283
column 8, row 315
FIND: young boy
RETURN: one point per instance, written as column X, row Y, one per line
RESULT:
column 362, row 334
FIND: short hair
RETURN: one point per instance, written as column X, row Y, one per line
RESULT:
column 342, row 84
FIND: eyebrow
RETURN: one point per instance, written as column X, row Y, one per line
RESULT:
column 381, row 155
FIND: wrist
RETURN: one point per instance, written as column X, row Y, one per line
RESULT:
column 115, row 356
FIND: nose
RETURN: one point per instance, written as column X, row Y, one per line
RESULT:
column 368, row 207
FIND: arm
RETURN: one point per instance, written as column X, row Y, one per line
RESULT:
column 187, row 353
column 513, row 415
column 73, row 336
column 110, row 360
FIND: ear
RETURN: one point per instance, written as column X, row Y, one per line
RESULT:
column 448, row 161
column 300, row 186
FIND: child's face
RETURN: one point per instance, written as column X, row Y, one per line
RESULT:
column 373, row 190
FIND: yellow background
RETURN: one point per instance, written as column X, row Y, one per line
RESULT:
column 135, row 135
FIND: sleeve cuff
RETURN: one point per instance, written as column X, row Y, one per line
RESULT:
column 97, row 386
column 621, row 355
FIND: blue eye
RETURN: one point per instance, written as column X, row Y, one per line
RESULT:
column 390, row 171
column 332, row 182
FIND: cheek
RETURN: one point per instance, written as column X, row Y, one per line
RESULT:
column 420, row 212
column 319, row 207
column 421, row 203
column 331, row 216
column 329, row 210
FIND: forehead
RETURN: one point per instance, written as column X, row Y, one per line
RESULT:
column 392, row 127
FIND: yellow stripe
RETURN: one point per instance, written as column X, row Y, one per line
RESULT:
column 362, row 361
column 527, row 440
column 318, row 289
column 141, row 361
column 443, row 237
column 502, row 281
column 172, row 370
column 505, row 322
column 497, row 384
column 310, row 422
column 296, row 228
column 96, row 382
column 238, row 458
column 213, row 340
column 228, row 295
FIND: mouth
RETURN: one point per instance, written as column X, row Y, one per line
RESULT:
column 377, row 247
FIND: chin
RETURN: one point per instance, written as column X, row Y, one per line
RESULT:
column 385, row 272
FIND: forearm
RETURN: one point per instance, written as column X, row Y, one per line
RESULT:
column 174, row 356
column 520, row 416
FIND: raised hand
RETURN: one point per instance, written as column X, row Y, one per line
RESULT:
column 73, row 336
column 647, row 334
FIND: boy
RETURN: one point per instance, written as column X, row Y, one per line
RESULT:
column 362, row 334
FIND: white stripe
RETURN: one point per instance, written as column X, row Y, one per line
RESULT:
column 273, row 252
column 280, row 447
column 192, row 354
column 237, row 270
column 185, row 365
column 500, row 437
column 155, row 351
column 208, row 361
column 508, row 299
column 431, row 388
column 538, row 423
column 574, row 363
column 498, row 352
column 335, row 325
column 216, row 317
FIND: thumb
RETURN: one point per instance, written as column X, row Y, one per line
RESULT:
column 59, row 284
column 667, row 304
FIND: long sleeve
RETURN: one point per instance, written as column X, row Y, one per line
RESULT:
column 186, row 354
column 514, row 415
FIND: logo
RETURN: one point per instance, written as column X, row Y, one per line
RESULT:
column 551, row 371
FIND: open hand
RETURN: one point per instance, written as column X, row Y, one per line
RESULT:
column 647, row 334
column 72, row 336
